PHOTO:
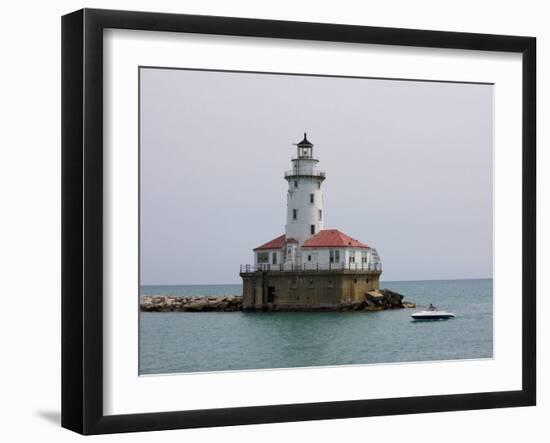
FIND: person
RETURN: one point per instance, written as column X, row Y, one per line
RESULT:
column 431, row 307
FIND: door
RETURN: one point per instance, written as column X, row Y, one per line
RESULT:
column 271, row 294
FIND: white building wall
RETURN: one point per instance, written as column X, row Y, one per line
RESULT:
column 347, row 255
column 362, row 257
column 320, row 257
column 356, row 254
column 292, row 254
column 302, row 213
column 271, row 253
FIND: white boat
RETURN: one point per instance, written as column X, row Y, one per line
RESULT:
column 432, row 313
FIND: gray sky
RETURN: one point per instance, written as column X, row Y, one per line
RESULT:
column 409, row 170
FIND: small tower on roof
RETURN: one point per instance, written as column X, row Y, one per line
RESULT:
column 305, row 216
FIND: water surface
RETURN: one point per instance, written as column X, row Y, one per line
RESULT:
column 172, row 342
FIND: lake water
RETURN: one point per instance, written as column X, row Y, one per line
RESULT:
column 175, row 342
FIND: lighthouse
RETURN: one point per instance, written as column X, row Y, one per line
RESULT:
column 305, row 195
column 305, row 216
column 309, row 267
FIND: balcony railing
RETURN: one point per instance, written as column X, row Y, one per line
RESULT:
column 304, row 172
column 365, row 267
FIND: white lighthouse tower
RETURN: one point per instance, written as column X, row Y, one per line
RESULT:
column 305, row 215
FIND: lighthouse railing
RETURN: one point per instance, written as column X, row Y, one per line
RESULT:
column 286, row 267
column 310, row 172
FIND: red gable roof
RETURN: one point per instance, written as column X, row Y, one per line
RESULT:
column 329, row 238
column 276, row 243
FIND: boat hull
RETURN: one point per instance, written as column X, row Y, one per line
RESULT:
column 432, row 315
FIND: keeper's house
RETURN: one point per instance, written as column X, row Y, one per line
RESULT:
column 309, row 267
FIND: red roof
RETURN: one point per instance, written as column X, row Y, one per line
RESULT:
column 329, row 238
column 276, row 243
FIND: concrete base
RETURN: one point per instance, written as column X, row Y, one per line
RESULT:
column 310, row 290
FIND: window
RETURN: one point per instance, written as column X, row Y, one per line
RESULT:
column 295, row 184
column 271, row 294
column 274, row 258
column 318, row 185
column 309, row 258
column 352, row 256
column 295, row 214
column 263, row 257
column 312, row 228
column 334, row 256
column 320, row 214
column 312, row 198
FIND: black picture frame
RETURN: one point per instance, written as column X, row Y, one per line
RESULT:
column 82, row 218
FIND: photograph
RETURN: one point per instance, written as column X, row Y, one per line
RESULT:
column 303, row 220
column 286, row 221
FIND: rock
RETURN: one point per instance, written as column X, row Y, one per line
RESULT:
column 393, row 300
column 196, row 306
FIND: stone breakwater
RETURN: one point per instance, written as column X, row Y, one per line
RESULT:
column 171, row 303
column 372, row 301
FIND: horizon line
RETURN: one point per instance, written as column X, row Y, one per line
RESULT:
column 385, row 281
